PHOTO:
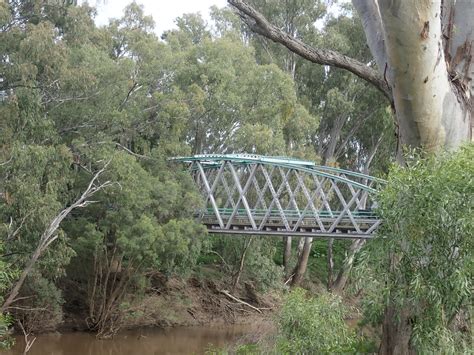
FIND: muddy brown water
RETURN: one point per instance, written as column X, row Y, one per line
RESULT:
column 181, row 340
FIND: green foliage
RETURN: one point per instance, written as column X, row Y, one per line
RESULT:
column 6, row 341
column 317, row 265
column 136, row 219
column 423, row 259
column 181, row 245
column 247, row 349
column 35, row 185
column 259, row 265
column 7, row 275
column 228, row 108
column 261, row 268
column 47, row 304
column 74, row 96
column 315, row 324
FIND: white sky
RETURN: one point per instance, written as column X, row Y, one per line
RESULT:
column 163, row 12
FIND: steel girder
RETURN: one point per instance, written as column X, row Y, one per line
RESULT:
column 259, row 195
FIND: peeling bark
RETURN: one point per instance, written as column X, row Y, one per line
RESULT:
column 433, row 104
column 462, row 52
column 430, row 111
column 462, row 43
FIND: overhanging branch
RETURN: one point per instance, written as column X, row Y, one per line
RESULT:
column 259, row 24
column 50, row 234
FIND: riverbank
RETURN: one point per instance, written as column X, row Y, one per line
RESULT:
column 175, row 316
column 178, row 302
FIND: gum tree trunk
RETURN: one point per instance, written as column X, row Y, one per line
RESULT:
column 302, row 263
column 286, row 255
column 423, row 50
column 425, row 68
column 433, row 109
column 346, row 267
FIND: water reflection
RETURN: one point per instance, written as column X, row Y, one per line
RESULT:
column 191, row 340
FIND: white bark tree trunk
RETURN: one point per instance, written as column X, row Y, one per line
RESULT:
column 302, row 263
column 287, row 241
column 431, row 94
column 427, row 47
column 431, row 109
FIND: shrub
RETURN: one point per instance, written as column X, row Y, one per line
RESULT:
column 7, row 275
column 313, row 325
column 43, row 312
column 423, row 259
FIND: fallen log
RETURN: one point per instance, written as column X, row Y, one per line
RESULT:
column 240, row 301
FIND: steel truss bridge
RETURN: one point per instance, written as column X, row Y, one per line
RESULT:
column 263, row 195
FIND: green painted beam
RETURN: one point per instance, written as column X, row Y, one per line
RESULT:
column 210, row 161
column 272, row 160
column 290, row 213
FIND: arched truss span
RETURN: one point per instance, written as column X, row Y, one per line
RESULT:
column 253, row 194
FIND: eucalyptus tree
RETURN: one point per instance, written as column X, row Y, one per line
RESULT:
column 75, row 96
column 235, row 104
column 352, row 124
column 427, row 211
column 423, row 65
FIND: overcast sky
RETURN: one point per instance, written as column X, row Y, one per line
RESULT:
column 163, row 11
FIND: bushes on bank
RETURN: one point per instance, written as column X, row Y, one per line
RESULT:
column 314, row 325
column 422, row 263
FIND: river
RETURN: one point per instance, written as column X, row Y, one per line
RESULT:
column 180, row 340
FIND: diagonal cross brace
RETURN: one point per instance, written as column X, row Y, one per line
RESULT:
column 345, row 206
column 242, row 192
column 291, row 193
column 309, row 204
column 210, row 195
column 261, row 196
column 275, row 199
column 341, row 215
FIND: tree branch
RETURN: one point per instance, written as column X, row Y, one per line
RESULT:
column 126, row 149
column 6, row 162
column 259, row 24
column 50, row 235
column 369, row 14
column 240, row 301
column 350, row 134
column 28, row 343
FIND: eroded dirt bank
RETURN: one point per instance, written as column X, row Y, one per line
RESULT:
column 177, row 302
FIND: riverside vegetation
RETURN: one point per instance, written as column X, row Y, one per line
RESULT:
column 97, row 231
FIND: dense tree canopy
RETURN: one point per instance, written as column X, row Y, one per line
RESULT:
column 86, row 108
column 77, row 99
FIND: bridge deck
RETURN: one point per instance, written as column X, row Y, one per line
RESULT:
column 301, row 223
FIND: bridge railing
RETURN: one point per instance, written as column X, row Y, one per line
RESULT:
column 282, row 196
